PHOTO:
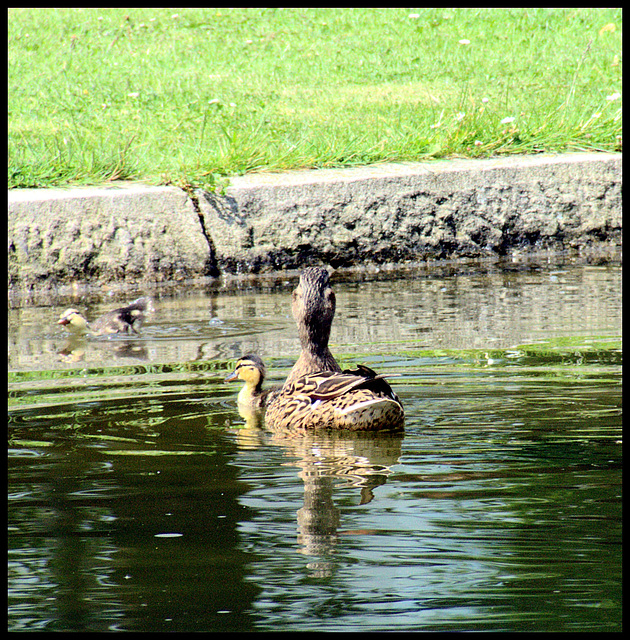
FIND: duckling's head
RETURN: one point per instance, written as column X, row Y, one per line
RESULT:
column 72, row 320
column 251, row 370
column 314, row 307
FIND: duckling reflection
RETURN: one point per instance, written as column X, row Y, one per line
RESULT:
column 75, row 348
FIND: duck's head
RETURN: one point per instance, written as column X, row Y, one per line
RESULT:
column 251, row 370
column 314, row 306
column 72, row 320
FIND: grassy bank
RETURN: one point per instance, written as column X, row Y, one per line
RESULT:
column 187, row 96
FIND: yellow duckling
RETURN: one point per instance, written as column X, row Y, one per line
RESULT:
column 124, row 320
column 251, row 369
column 317, row 393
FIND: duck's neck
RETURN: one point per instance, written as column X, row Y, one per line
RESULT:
column 250, row 393
column 311, row 360
column 247, row 394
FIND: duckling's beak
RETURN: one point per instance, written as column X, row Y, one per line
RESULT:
column 63, row 321
column 233, row 376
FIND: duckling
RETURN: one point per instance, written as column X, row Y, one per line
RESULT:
column 317, row 393
column 123, row 320
column 74, row 322
column 251, row 369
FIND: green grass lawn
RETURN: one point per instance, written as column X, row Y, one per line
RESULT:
column 187, row 96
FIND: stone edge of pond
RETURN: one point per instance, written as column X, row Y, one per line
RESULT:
column 388, row 214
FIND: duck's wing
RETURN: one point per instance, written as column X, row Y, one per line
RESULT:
column 326, row 385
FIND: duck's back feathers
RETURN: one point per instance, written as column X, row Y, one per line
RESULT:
column 358, row 400
column 326, row 384
column 127, row 319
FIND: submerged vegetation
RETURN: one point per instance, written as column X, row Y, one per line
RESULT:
column 190, row 95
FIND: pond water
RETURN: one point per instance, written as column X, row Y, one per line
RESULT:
column 140, row 500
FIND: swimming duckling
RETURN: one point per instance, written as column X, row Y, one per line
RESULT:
column 124, row 320
column 251, row 369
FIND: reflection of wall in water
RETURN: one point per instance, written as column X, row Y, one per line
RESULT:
column 494, row 310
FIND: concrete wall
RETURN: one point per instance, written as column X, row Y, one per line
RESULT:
column 263, row 222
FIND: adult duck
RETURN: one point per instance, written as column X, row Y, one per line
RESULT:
column 317, row 393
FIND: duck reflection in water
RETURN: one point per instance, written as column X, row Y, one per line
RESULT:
column 363, row 460
column 75, row 348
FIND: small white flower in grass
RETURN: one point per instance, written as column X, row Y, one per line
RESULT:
column 478, row 143
column 596, row 115
column 214, row 101
column 460, row 116
column 484, row 100
column 508, row 120
column 232, row 104
column 413, row 16
column 133, row 94
column 464, row 41
column 613, row 96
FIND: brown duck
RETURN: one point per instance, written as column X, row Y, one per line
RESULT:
column 127, row 319
column 317, row 393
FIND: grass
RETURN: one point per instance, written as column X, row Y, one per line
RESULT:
column 187, row 96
